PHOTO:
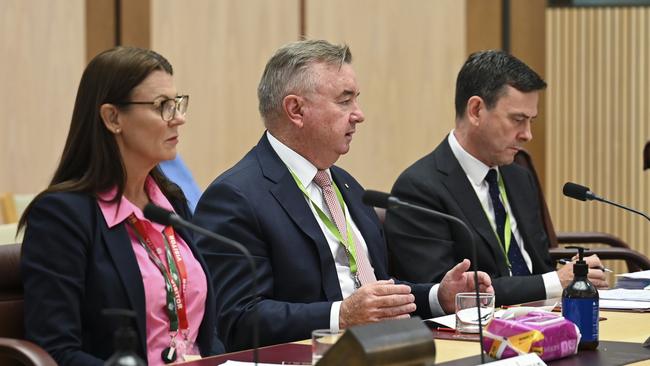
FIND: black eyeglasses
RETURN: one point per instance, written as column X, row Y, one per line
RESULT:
column 168, row 107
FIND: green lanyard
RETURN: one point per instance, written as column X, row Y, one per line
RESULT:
column 507, row 235
column 348, row 244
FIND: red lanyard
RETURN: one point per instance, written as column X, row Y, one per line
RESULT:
column 175, row 273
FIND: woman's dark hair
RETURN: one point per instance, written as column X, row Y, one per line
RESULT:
column 91, row 160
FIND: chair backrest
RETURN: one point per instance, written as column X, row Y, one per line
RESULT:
column 619, row 250
column 11, row 292
column 14, row 350
column 523, row 158
column 635, row 260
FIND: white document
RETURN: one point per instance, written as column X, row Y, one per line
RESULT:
column 449, row 321
column 641, row 275
column 530, row 359
column 242, row 363
column 624, row 304
column 624, row 294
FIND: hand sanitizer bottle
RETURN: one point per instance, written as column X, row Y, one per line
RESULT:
column 580, row 303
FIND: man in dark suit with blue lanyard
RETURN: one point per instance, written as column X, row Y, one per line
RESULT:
column 470, row 175
column 320, row 252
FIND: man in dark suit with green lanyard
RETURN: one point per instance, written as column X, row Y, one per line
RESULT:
column 320, row 252
column 470, row 175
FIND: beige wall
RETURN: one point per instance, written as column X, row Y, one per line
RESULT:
column 598, row 67
column 406, row 56
column 43, row 49
column 218, row 50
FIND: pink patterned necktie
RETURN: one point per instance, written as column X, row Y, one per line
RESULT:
column 364, row 270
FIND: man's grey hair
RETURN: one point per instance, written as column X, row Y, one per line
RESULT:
column 287, row 72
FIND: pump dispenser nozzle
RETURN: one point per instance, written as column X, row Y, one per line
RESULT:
column 580, row 267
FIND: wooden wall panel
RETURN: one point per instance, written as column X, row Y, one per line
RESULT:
column 135, row 23
column 406, row 55
column 483, row 25
column 100, row 26
column 43, row 48
column 527, row 41
column 598, row 66
column 218, row 50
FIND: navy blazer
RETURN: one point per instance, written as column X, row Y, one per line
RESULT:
column 73, row 266
column 258, row 204
column 423, row 248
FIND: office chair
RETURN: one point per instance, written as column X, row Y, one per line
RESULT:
column 618, row 249
column 14, row 350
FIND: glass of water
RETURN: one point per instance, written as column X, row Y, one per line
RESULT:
column 321, row 341
column 467, row 313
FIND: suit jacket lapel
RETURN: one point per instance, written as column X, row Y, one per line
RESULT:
column 289, row 196
column 462, row 191
column 118, row 245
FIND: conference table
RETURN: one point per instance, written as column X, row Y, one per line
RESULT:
column 621, row 337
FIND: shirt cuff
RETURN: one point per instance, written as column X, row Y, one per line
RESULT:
column 434, row 304
column 552, row 285
column 334, row 316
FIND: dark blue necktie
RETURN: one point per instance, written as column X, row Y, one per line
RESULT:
column 519, row 267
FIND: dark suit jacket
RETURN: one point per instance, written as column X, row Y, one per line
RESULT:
column 258, row 204
column 73, row 266
column 423, row 248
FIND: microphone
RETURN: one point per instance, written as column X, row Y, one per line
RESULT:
column 169, row 218
column 578, row 192
column 385, row 200
column 583, row 193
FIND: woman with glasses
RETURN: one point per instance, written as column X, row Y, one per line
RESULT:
column 87, row 245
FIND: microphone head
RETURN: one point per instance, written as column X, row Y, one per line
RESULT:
column 576, row 191
column 157, row 214
column 375, row 198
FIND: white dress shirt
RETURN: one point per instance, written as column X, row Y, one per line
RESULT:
column 476, row 171
column 305, row 171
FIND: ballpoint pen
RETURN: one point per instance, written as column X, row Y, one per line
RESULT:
column 604, row 269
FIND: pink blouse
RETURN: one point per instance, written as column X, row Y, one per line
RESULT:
column 158, row 334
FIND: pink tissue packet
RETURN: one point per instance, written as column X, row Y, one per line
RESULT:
column 549, row 335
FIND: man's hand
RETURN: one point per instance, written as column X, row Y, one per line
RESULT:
column 459, row 280
column 376, row 301
column 596, row 276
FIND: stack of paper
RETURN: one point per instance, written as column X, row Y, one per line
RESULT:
column 634, row 280
column 625, row 294
column 624, row 299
